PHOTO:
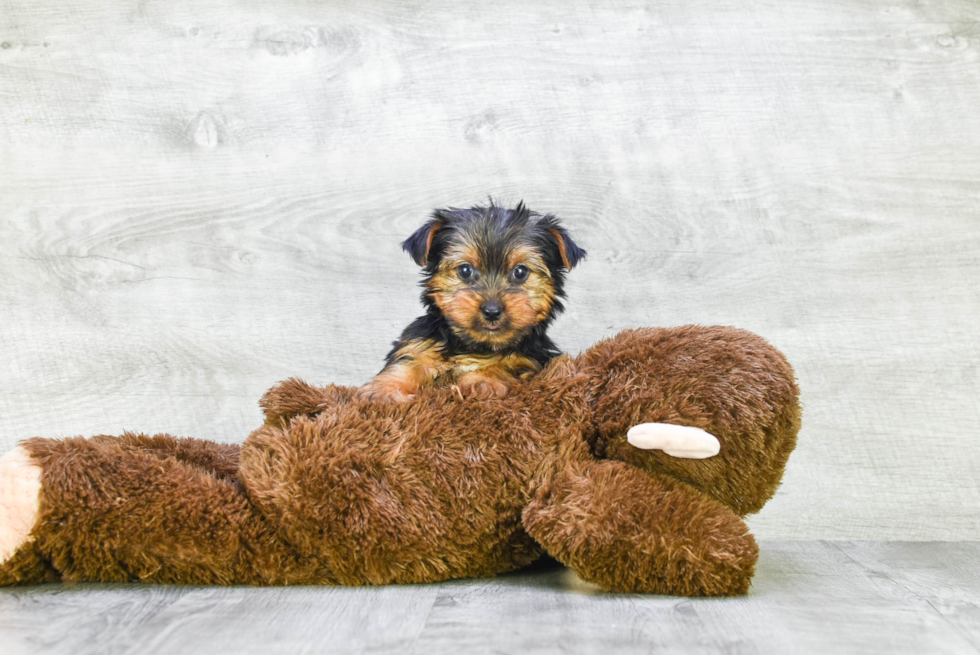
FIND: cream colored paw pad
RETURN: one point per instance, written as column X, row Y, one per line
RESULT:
column 20, row 491
column 675, row 440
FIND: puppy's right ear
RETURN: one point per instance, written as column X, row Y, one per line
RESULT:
column 420, row 243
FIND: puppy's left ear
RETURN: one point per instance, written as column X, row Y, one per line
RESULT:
column 420, row 243
column 569, row 251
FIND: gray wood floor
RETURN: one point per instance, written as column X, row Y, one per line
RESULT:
column 808, row 597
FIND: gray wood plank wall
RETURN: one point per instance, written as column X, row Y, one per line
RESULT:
column 200, row 198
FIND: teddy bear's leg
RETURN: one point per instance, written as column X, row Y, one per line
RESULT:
column 629, row 530
column 107, row 510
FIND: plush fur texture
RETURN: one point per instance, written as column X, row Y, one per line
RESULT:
column 337, row 490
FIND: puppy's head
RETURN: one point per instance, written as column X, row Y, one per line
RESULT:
column 494, row 273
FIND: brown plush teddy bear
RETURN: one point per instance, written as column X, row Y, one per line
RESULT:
column 338, row 490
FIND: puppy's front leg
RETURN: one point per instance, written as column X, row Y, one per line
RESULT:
column 396, row 384
column 492, row 377
column 412, row 365
column 480, row 384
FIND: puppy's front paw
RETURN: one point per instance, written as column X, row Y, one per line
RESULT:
column 381, row 391
column 475, row 385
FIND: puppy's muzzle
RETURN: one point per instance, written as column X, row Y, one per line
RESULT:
column 492, row 310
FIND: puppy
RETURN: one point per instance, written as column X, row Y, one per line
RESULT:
column 492, row 279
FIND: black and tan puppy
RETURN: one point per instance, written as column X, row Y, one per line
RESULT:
column 493, row 281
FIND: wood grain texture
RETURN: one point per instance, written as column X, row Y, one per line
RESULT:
column 200, row 198
column 808, row 597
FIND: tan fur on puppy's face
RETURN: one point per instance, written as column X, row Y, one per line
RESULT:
column 525, row 302
column 538, row 291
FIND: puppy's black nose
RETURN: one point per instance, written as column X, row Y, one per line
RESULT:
column 492, row 310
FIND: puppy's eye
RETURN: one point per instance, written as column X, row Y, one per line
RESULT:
column 520, row 272
column 465, row 272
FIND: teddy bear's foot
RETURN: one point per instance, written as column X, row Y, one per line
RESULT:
column 631, row 531
column 20, row 489
column 675, row 440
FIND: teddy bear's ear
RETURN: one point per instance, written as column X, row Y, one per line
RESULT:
column 567, row 250
column 419, row 245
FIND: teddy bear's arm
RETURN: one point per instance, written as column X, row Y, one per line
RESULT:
column 630, row 530
column 675, row 440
